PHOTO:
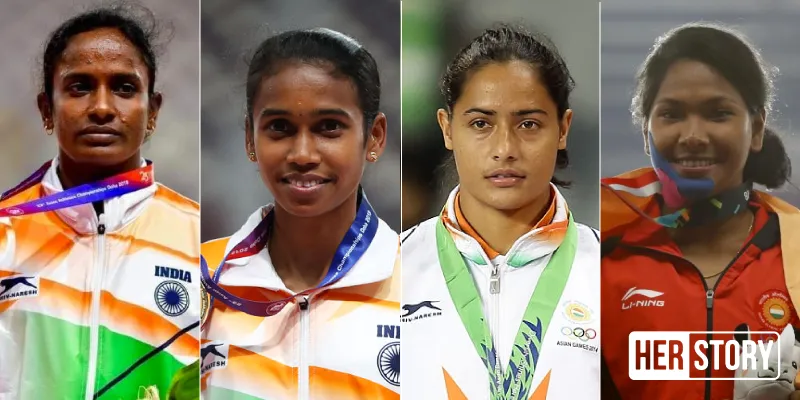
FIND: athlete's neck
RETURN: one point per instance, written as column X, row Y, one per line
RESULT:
column 72, row 174
column 734, row 228
column 302, row 248
column 501, row 228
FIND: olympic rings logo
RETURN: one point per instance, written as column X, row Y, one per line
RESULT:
column 579, row 333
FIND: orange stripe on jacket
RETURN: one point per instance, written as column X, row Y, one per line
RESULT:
column 453, row 391
column 261, row 373
column 55, row 299
column 132, row 320
column 333, row 385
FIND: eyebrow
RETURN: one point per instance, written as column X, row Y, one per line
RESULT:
column 114, row 75
column 517, row 113
column 272, row 112
column 713, row 99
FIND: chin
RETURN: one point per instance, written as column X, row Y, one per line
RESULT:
column 302, row 210
column 507, row 201
column 101, row 156
column 305, row 208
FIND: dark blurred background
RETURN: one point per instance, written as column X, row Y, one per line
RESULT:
column 175, row 146
column 434, row 31
column 629, row 29
column 231, row 30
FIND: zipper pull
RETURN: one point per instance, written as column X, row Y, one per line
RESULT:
column 494, row 281
column 709, row 298
column 101, row 226
column 303, row 303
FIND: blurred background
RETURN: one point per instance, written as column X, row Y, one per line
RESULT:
column 629, row 29
column 434, row 31
column 175, row 146
column 231, row 30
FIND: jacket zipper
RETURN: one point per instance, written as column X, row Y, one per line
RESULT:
column 303, row 389
column 709, row 299
column 494, row 310
column 94, row 311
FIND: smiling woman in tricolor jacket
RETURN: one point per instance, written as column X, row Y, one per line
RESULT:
column 501, row 293
column 300, row 289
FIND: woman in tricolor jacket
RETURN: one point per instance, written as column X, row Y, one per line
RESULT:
column 689, row 244
column 99, row 280
column 501, row 291
column 305, row 294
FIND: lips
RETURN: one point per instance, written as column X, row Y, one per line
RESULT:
column 505, row 178
column 505, row 173
column 99, row 130
column 696, row 162
column 304, row 181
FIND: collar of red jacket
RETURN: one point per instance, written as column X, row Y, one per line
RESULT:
column 640, row 187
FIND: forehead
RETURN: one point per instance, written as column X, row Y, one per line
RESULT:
column 101, row 49
column 511, row 85
column 692, row 81
column 302, row 86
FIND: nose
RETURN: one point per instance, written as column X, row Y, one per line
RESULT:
column 102, row 109
column 504, row 144
column 694, row 136
column 304, row 153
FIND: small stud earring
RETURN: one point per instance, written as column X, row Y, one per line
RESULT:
column 373, row 156
column 252, row 156
column 49, row 131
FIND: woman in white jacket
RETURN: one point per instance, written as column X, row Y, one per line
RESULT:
column 501, row 291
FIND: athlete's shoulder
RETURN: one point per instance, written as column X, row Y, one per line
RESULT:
column 213, row 251
column 22, row 195
column 386, row 229
column 176, row 201
column 586, row 231
column 418, row 233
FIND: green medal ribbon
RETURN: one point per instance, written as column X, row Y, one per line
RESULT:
column 516, row 383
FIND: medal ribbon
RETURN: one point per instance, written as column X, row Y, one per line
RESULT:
column 721, row 206
column 115, row 186
column 518, row 378
column 352, row 247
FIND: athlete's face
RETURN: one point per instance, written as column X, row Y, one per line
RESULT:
column 100, row 109
column 307, row 134
column 702, row 126
column 504, row 132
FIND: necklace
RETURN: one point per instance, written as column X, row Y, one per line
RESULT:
column 750, row 229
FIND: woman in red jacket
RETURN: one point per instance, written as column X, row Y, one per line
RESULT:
column 688, row 245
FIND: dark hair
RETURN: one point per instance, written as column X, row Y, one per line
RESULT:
column 319, row 46
column 504, row 44
column 730, row 54
column 136, row 22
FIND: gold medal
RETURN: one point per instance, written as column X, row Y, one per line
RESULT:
column 205, row 301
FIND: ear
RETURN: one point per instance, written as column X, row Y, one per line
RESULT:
column 45, row 110
column 377, row 136
column 759, row 127
column 645, row 133
column 444, row 124
column 249, row 142
column 154, row 106
column 566, row 122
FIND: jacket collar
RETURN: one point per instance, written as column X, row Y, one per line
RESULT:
column 375, row 265
column 118, row 211
column 535, row 244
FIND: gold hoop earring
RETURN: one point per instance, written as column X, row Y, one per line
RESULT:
column 252, row 156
